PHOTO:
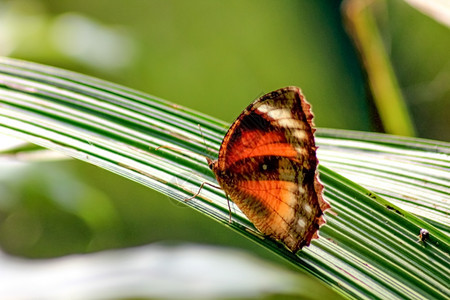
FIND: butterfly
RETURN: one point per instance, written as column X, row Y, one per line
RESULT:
column 267, row 166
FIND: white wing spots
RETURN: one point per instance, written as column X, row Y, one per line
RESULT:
column 301, row 223
column 284, row 118
column 290, row 123
column 275, row 113
column 280, row 114
column 299, row 134
column 307, row 208
column 301, row 190
column 290, row 197
column 264, row 108
column 301, row 150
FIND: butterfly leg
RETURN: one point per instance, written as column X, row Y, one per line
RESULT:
column 199, row 190
column 229, row 207
column 196, row 194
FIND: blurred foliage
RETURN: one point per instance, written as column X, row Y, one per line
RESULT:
column 217, row 56
column 212, row 56
column 418, row 47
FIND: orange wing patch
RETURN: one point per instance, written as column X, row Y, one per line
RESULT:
column 278, row 196
column 286, row 219
column 257, row 143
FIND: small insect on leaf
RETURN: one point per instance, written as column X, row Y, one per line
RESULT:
column 423, row 235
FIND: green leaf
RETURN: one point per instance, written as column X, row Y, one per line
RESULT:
column 369, row 247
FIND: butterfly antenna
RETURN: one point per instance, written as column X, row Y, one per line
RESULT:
column 203, row 137
column 168, row 147
column 182, row 150
column 179, row 150
column 207, row 158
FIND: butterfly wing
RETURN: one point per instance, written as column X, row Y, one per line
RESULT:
column 267, row 165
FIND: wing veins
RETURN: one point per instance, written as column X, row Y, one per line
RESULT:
column 268, row 189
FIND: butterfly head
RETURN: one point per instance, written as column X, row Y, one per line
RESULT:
column 211, row 163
